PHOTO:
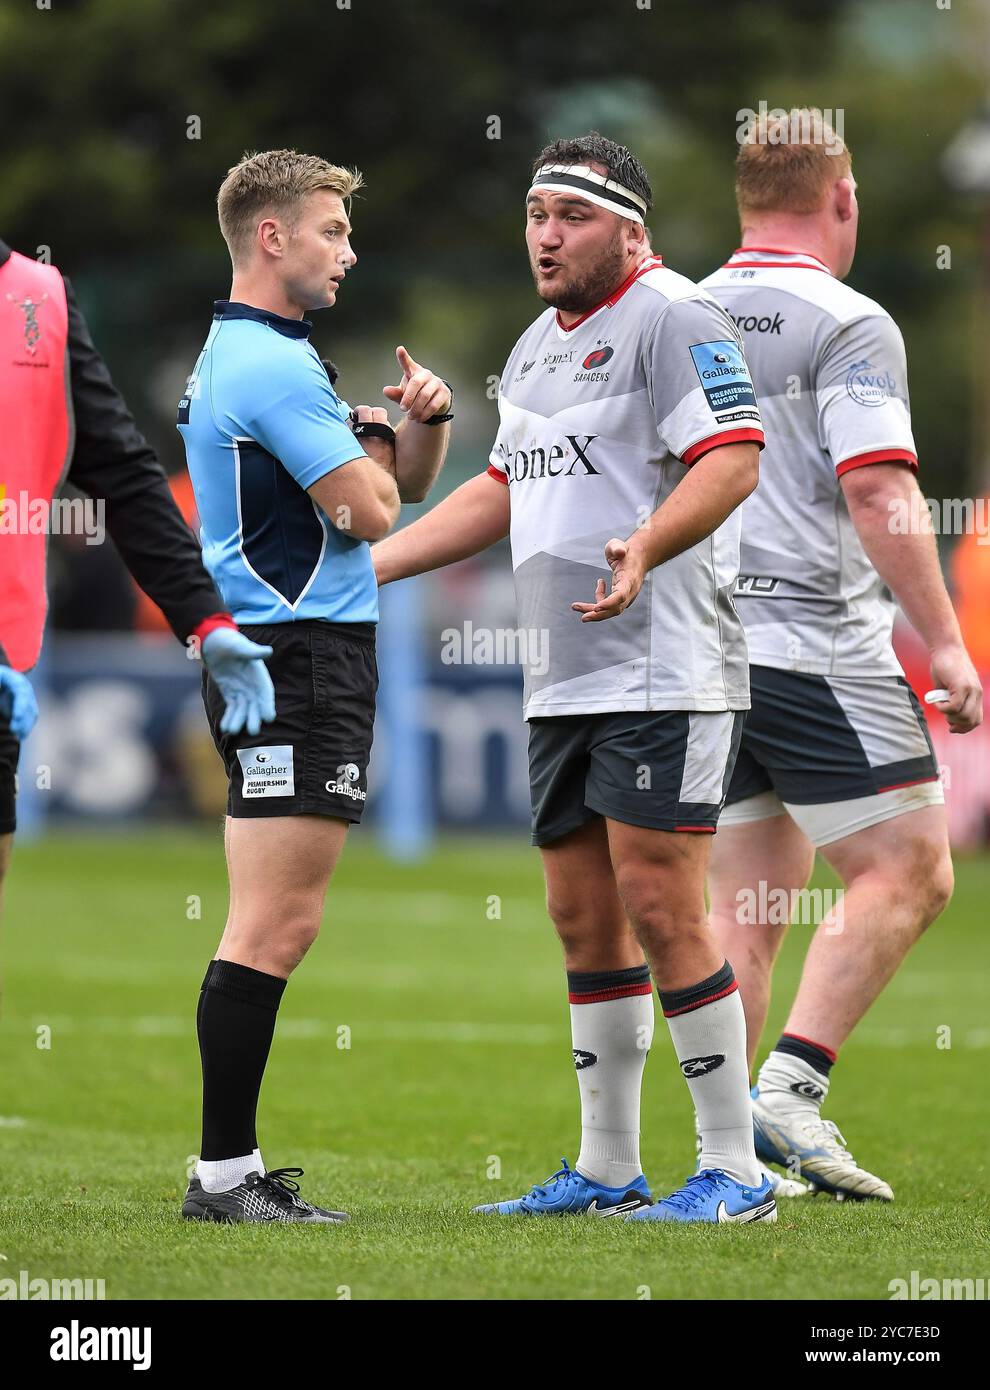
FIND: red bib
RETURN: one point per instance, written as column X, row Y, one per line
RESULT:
column 35, row 443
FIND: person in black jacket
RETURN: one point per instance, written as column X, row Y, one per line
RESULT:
column 113, row 463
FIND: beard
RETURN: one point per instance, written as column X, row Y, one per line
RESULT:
column 579, row 293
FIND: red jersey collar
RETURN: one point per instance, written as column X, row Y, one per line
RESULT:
column 761, row 256
column 651, row 262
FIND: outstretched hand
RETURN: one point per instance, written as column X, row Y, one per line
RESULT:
column 627, row 580
column 421, row 394
column 237, row 665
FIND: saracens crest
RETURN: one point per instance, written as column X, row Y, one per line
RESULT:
column 32, row 328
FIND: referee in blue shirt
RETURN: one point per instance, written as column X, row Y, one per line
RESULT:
column 291, row 484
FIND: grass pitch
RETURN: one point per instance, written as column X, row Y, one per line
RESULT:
column 422, row 1064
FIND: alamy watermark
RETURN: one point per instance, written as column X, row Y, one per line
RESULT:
column 498, row 646
column 774, row 126
column 25, row 515
column 764, row 906
column 80, row 1342
column 927, row 1289
column 916, row 515
column 26, row 1288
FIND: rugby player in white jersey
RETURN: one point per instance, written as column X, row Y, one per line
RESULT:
column 629, row 434
column 835, row 753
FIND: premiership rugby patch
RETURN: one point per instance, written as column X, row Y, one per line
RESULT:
column 266, row 771
column 723, row 373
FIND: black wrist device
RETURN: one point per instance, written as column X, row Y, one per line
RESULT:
column 371, row 429
column 442, row 419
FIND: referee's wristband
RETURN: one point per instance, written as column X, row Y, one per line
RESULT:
column 449, row 415
column 371, row 429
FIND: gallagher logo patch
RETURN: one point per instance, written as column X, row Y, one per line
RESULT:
column 701, row 1066
column 266, row 771
column 723, row 374
column 598, row 358
column 583, row 1059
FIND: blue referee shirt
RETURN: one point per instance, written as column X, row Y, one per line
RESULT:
column 261, row 422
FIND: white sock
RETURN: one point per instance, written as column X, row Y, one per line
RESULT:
column 765, row 1172
column 221, row 1174
column 611, row 1029
column 708, row 1028
column 791, row 1085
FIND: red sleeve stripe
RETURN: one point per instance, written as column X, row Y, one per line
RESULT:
column 877, row 456
column 700, row 1003
column 494, row 472
column 604, row 995
column 704, row 446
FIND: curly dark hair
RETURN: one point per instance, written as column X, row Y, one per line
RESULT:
column 595, row 148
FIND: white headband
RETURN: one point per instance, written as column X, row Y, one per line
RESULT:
column 585, row 181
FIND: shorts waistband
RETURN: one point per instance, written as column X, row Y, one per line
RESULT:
column 357, row 632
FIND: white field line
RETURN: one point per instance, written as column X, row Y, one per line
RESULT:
column 383, row 1030
column 467, row 908
column 180, row 1026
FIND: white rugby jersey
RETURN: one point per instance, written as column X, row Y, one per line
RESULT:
column 831, row 372
column 599, row 422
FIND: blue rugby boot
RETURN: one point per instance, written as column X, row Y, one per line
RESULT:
column 712, row 1196
column 569, row 1192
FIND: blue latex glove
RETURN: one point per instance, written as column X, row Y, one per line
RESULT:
column 17, row 702
column 238, row 666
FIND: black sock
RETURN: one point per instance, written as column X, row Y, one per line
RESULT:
column 235, row 1022
column 811, row 1052
column 202, row 995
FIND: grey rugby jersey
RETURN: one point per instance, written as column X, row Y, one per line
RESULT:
column 831, row 372
column 598, row 424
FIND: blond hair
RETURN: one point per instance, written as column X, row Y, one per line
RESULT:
column 274, row 182
column 787, row 162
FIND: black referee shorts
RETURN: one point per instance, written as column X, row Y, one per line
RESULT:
column 313, row 759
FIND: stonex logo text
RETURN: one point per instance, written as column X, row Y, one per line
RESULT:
column 80, row 1343
column 555, row 462
column 553, row 360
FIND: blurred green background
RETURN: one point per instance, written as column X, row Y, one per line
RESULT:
column 98, row 165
